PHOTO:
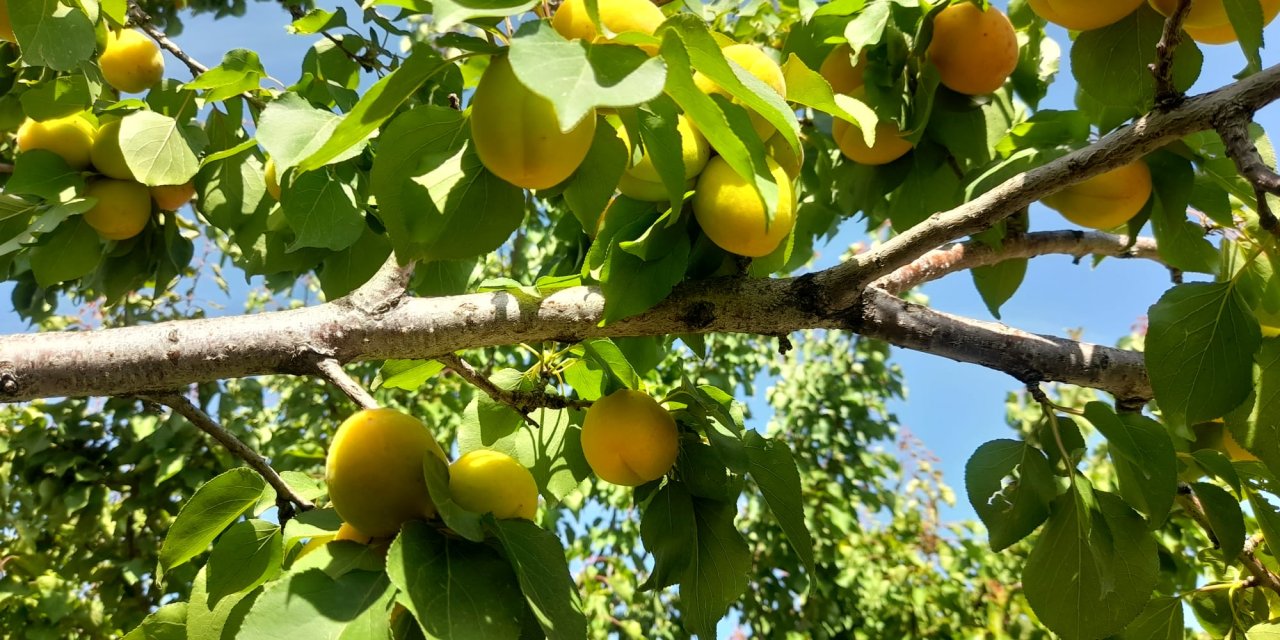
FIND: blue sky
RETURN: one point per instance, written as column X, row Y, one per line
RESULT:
column 953, row 407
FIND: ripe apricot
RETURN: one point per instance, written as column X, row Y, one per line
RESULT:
column 516, row 133
column 348, row 532
column 778, row 149
column 758, row 64
column 106, row 155
column 272, row 180
column 171, row 197
column 840, row 72
column 70, row 137
column 374, row 471
column 6, row 25
column 1105, row 201
column 619, row 16
column 1083, row 15
column 1270, row 322
column 1208, row 22
column 131, row 62
column 975, row 51
column 122, row 209
column 730, row 212
column 641, row 180
column 484, row 481
column 889, row 144
column 629, row 439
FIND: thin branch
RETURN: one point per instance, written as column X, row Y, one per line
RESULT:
column 1167, row 95
column 332, row 370
column 286, row 497
column 1244, row 153
column 143, row 21
column 368, row 63
column 524, row 402
column 1191, row 504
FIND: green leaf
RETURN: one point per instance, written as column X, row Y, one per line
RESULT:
column 807, row 87
column 43, row 174
column 166, row 623
column 610, row 358
column 1010, row 486
column 322, row 211
column 317, row 20
column 578, row 77
column 658, row 125
column 290, row 129
column 463, row 522
column 455, row 588
column 1093, row 569
column 1225, row 518
column 67, row 253
column 1181, row 243
column 408, row 375
column 59, row 97
column 52, row 33
column 867, row 27
column 239, row 72
column 1260, row 433
column 998, row 282
column 1143, row 454
column 447, row 13
column 717, row 573
column 592, row 185
column 774, row 470
column 931, row 186
column 311, row 604
column 1110, row 63
column 632, row 285
column 157, row 149
column 1199, row 351
column 45, row 223
column 377, row 105
column 538, row 559
column 247, row 555
column 211, row 509
column 207, row 620
column 664, row 530
column 1247, row 20
column 344, row 271
column 1160, row 620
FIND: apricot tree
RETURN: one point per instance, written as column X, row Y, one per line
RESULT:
column 559, row 240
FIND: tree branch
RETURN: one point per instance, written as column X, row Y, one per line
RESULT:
column 332, row 370
column 523, row 402
column 143, row 22
column 1168, row 95
column 1117, row 148
column 286, row 497
column 1244, row 153
column 1190, row 503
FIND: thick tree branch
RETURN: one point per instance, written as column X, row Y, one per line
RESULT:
column 332, row 370
column 1244, row 153
column 1168, row 95
column 1117, row 148
column 522, row 401
column 1191, row 504
column 286, row 497
column 962, row 256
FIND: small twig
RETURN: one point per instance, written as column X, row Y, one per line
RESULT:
column 1167, row 95
column 368, row 63
column 524, row 402
column 1264, row 577
column 286, row 497
column 143, row 22
column 6, row 167
column 1244, row 153
column 332, row 370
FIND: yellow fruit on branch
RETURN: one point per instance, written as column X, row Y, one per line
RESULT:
column 840, row 71
column 889, row 143
column 619, row 16
column 516, row 133
column 1208, row 23
column 107, row 156
column 729, row 210
column 1105, row 201
column 70, row 137
column 629, row 439
column 1270, row 322
column 757, row 63
column 1083, row 15
column 122, row 208
column 975, row 51
column 641, row 180
column 348, row 532
column 131, row 62
column 171, row 197
column 484, row 481
column 777, row 149
column 272, row 180
column 374, row 471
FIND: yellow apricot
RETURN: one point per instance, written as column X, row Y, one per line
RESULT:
column 131, row 62
column 1208, row 22
column 516, row 134
column 757, row 63
column 975, row 51
column 6, row 25
column 694, row 151
column 777, row 149
column 1083, row 15
column 619, row 16
column 272, row 180
column 484, row 481
column 374, row 471
column 629, row 439
column 1105, row 201
column 841, row 73
column 889, row 145
column 1270, row 322
column 348, row 532
column 122, row 209
column 171, row 197
column 730, row 212
column 646, row 190
column 106, row 155
column 70, row 137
